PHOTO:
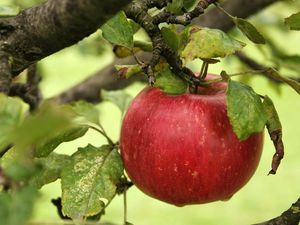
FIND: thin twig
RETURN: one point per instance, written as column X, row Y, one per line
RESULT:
column 101, row 131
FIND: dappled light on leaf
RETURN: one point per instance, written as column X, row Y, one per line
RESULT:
column 90, row 180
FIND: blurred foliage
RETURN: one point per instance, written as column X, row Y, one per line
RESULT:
column 22, row 3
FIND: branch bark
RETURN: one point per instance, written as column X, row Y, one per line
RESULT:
column 213, row 18
column 42, row 30
column 107, row 79
column 289, row 217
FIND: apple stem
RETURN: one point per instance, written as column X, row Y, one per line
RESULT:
column 203, row 71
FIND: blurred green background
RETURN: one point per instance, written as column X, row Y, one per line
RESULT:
column 262, row 198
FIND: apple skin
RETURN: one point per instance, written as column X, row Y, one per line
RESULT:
column 182, row 149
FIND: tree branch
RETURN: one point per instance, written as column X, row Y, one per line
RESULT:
column 42, row 30
column 259, row 67
column 217, row 19
column 29, row 91
column 89, row 89
column 289, row 217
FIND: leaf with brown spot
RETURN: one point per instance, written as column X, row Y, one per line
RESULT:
column 275, row 132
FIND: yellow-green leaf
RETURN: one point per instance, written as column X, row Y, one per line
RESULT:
column 249, row 30
column 8, row 11
column 118, row 30
column 207, row 43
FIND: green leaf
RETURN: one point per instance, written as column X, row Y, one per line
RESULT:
column 171, row 38
column 11, row 115
column 44, row 148
column 86, row 110
column 246, row 27
column 36, row 129
column 170, row 83
column 143, row 45
column 120, row 98
column 135, row 26
column 249, row 30
column 90, row 181
column 127, row 71
column 188, row 4
column 175, row 7
column 42, row 126
column 245, row 110
column 205, row 43
column 8, row 11
column 273, row 122
column 293, row 22
column 16, row 207
column 17, row 166
column 118, row 30
column 50, row 169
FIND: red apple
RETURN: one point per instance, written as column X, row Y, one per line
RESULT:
column 182, row 149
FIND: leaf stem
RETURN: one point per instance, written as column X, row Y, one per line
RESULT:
column 102, row 131
column 203, row 71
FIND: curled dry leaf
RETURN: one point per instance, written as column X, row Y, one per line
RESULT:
column 275, row 132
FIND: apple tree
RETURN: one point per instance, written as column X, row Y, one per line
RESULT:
column 176, row 36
